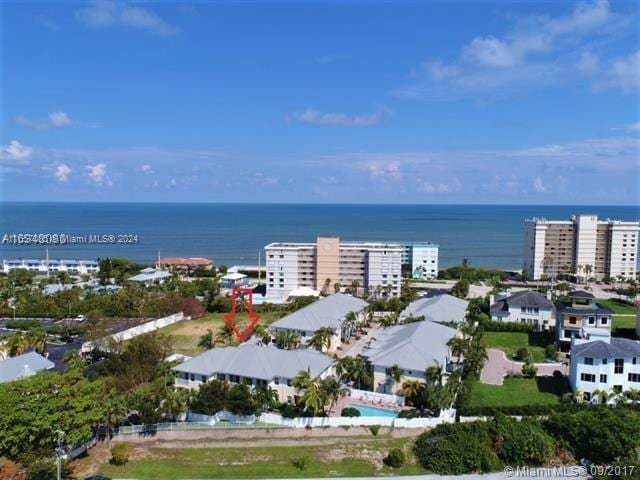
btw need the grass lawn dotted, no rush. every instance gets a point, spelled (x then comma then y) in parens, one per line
(338, 460)
(510, 342)
(187, 333)
(618, 306)
(624, 321)
(518, 391)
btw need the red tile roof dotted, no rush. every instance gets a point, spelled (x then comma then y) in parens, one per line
(189, 262)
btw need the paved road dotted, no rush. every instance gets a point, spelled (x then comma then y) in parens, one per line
(498, 366)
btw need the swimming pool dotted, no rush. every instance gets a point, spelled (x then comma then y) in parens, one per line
(259, 299)
(367, 411)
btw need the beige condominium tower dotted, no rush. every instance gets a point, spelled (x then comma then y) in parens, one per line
(374, 267)
(583, 245)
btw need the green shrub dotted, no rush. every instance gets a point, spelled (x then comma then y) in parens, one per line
(550, 352)
(458, 448)
(412, 413)
(350, 412)
(395, 458)
(120, 454)
(522, 442)
(493, 326)
(524, 355)
(301, 463)
(529, 370)
(374, 429)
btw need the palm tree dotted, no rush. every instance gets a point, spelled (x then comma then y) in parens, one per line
(266, 397)
(321, 340)
(225, 335)
(349, 324)
(464, 267)
(458, 346)
(601, 395)
(355, 284)
(587, 271)
(37, 339)
(312, 397)
(343, 366)
(116, 411)
(336, 287)
(206, 341)
(302, 380)
(175, 402)
(332, 390)
(434, 374)
(633, 395)
(325, 287)
(262, 333)
(361, 371)
(17, 344)
(411, 389)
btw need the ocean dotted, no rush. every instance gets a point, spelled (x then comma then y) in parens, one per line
(488, 235)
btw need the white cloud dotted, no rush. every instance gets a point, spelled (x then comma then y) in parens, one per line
(634, 126)
(54, 120)
(315, 117)
(16, 152)
(62, 172)
(538, 186)
(537, 52)
(98, 174)
(390, 170)
(59, 119)
(147, 169)
(108, 13)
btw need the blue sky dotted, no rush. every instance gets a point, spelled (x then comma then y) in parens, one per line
(366, 102)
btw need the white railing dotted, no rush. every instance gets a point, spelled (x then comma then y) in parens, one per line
(377, 398)
(133, 332)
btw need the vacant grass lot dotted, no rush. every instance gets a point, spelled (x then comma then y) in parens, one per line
(618, 306)
(624, 321)
(187, 333)
(519, 391)
(510, 342)
(339, 460)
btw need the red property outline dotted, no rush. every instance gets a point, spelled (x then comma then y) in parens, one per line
(229, 317)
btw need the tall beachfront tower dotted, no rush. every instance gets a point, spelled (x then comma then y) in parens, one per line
(375, 266)
(583, 245)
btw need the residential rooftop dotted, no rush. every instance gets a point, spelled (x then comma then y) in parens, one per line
(616, 347)
(24, 365)
(441, 308)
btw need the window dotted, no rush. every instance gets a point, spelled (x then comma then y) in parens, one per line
(204, 379)
(567, 334)
(587, 377)
(592, 320)
(634, 377)
(605, 361)
(573, 320)
(276, 380)
(588, 360)
(603, 378)
(634, 360)
(618, 365)
(604, 321)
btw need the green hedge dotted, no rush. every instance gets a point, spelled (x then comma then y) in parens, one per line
(528, 410)
(493, 326)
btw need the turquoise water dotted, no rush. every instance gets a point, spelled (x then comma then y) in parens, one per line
(367, 411)
(488, 235)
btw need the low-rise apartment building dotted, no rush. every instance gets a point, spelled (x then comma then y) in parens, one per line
(373, 267)
(413, 348)
(253, 365)
(532, 308)
(602, 366)
(441, 309)
(420, 260)
(79, 267)
(583, 245)
(581, 311)
(328, 312)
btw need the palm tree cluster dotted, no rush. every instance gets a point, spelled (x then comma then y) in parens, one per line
(35, 339)
(287, 340)
(354, 369)
(435, 393)
(318, 393)
(605, 397)
(321, 340)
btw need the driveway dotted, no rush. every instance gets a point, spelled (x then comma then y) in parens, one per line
(498, 366)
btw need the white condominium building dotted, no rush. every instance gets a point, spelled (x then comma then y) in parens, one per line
(420, 260)
(376, 267)
(43, 266)
(582, 245)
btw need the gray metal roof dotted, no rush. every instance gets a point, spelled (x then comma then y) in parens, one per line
(415, 346)
(326, 312)
(23, 365)
(442, 308)
(616, 348)
(580, 294)
(594, 309)
(255, 361)
(526, 298)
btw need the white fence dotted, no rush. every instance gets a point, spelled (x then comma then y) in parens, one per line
(133, 332)
(376, 397)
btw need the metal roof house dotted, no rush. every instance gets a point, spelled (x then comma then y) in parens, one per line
(328, 312)
(150, 275)
(22, 366)
(441, 308)
(413, 347)
(254, 365)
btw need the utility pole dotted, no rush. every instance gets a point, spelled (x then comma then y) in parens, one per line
(59, 436)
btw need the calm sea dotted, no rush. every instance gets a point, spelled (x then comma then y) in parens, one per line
(489, 235)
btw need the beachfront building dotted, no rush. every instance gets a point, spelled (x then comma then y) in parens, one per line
(603, 367)
(253, 365)
(149, 276)
(441, 309)
(370, 267)
(234, 280)
(182, 263)
(420, 260)
(584, 245)
(413, 348)
(581, 311)
(532, 308)
(74, 267)
(329, 312)
(22, 366)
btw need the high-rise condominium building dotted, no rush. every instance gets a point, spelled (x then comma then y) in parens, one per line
(328, 261)
(420, 260)
(583, 245)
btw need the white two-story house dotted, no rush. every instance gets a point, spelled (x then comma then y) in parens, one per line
(601, 363)
(581, 311)
(532, 308)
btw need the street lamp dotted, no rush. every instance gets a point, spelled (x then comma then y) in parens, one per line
(14, 312)
(59, 437)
